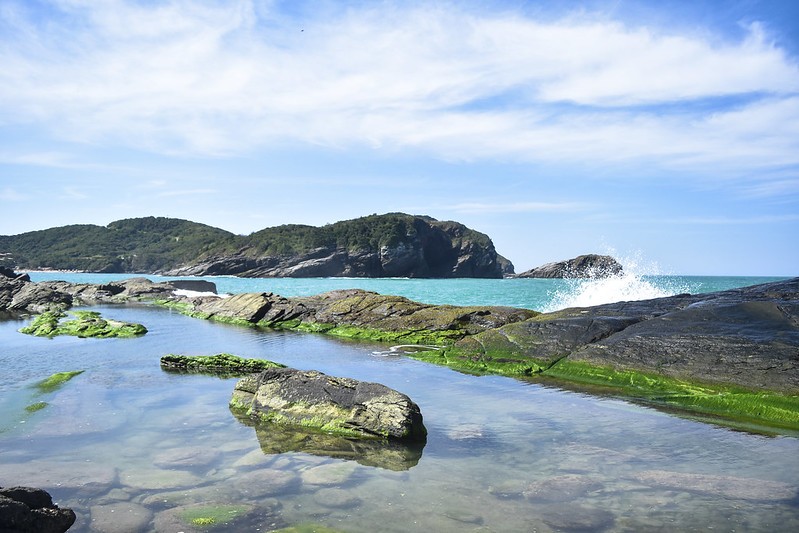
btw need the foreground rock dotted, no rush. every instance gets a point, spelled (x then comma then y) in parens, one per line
(29, 510)
(582, 266)
(337, 405)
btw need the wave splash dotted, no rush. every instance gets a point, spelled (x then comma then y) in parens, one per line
(637, 281)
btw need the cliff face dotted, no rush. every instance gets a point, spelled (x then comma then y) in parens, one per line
(377, 246)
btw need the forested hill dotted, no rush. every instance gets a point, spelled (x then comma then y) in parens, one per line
(394, 244)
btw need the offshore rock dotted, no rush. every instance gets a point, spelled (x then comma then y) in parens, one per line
(30, 510)
(582, 266)
(332, 404)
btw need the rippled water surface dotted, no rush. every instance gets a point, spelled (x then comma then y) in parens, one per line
(132, 448)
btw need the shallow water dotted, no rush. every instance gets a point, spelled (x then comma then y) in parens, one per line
(130, 447)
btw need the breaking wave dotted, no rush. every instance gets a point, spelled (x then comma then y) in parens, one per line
(637, 281)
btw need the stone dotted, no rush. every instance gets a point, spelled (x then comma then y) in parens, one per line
(332, 404)
(336, 498)
(121, 517)
(561, 488)
(189, 457)
(732, 487)
(31, 510)
(582, 266)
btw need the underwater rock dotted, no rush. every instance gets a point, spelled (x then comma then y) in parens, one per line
(120, 517)
(336, 498)
(189, 457)
(561, 488)
(31, 510)
(738, 488)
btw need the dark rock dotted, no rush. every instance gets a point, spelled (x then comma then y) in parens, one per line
(428, 249)
(8, 273)
(338, 405)
(29, 510)
(747, 337)
(196, 285)
(222, 364)
(583, 266)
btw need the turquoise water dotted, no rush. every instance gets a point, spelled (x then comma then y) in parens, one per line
(132, 448)
(537, 294)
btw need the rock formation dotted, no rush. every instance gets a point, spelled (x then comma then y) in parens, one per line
(337, 405)
(29, 510)
(582, 266)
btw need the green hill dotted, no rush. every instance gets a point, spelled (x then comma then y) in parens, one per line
(394, 244)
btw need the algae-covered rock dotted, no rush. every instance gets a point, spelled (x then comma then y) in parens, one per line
(55, 381)
(222, 364)
(86, 324)
(342, 406)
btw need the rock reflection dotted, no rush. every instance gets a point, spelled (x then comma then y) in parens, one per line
(391, 455)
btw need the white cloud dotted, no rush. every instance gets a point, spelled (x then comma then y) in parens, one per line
(231, 77)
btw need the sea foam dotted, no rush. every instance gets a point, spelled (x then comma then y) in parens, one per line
(637, 281)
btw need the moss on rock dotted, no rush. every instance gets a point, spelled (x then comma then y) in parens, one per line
(223, 364)
(56, 381)
(85, 324)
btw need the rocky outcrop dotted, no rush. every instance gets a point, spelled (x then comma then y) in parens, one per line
(221, 364)
(583, 266)
(337, 405)
(358, 313)
(748, 337)
(29, 510)
(398, 246)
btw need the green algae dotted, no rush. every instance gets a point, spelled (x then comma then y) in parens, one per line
(729, 405)
(85, 324)
(56, 381)
(331, 422)
(213, 515)
(38, 406)
(221, 364)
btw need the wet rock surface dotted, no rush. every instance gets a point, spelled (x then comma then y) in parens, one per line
(333, 404)
(31, 510)
(747, 337)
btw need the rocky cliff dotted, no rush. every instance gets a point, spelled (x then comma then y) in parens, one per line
(582, 266)
(393, 245)
(390, 245)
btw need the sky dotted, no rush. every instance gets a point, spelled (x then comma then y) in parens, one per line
(666, 132)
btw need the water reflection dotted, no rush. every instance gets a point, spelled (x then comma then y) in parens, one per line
(276, 439)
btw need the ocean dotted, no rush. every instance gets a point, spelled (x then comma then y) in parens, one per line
(131, 448)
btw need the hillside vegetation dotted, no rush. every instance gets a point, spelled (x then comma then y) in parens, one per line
(167, 245)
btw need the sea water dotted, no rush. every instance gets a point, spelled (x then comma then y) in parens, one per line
(130, 447)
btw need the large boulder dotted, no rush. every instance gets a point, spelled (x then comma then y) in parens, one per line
(30, 510)
(333, 404)
(582, 266)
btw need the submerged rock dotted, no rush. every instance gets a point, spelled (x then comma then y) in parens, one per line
(733, 487)
(338, 405)
(30, 510)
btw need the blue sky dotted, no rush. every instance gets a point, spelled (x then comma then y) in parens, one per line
(666, 131)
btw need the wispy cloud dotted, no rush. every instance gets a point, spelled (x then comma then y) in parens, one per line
(516, 207)
(9, 194)
(185, 192)
(731, 220)
(224, 78)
